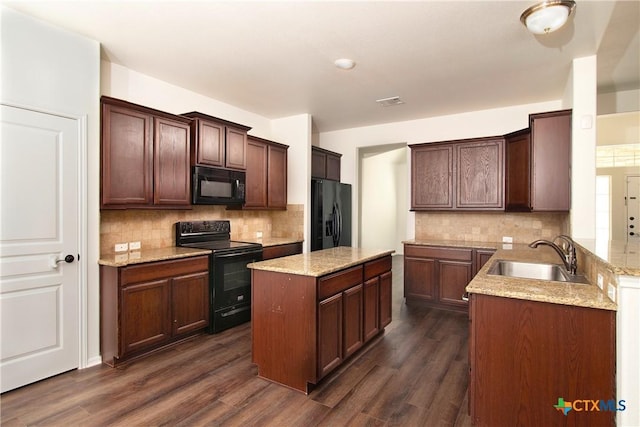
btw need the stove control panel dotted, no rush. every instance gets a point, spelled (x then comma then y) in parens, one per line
(204, 227)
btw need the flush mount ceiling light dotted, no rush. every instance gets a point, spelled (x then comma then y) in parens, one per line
(547, 16)
(388, 102)
(345, 63)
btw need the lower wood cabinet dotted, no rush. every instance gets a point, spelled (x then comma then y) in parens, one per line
(305, 327)
(147, 306)
(438, 275)
(527, 356)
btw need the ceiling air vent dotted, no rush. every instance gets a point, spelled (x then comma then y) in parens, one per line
(389, 102)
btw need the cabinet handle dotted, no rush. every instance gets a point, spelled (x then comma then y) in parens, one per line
(465, 296)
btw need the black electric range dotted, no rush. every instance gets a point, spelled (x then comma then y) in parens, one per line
(229, 277)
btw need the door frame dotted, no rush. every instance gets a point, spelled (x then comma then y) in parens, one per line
(83, 244)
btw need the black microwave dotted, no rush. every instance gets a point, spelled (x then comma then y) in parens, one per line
(213, 186)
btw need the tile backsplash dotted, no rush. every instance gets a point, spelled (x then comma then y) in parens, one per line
(490, 226)
(155, 228)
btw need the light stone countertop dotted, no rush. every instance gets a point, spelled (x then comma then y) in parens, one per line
(565, 293)
(149, 255)
(320, 263)
(622, 257)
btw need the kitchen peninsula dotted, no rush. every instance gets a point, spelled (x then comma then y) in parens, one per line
(312, 311)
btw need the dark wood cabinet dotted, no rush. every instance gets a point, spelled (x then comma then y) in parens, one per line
(217, 143)
(526, 355)
(480, 174)
(538, 164)
(329, 334)
(144, 157)
(266, 180)
(304, 327)
(481, 258)
(465, 174)
(147, 306)
(437, 275)
(432, 177)
(325, 164)
(277, 251)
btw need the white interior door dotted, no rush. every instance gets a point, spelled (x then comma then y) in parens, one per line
(39, 225)
(633, 208)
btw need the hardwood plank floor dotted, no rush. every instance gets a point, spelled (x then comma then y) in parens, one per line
(415, 374)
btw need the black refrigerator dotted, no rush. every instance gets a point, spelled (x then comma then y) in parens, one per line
(330, 214)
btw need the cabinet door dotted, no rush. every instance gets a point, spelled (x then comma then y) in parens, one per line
(551, 153)
(482, 256)
(172, 174)
(127, 157)
(318, 164)
(352, 320)
(518, 172)
(256, 178)
(277, 177)
(385, 299)
(479, 173)
(333, 167)
(190, 302)
(371, 308)
(420, 278)
(453, 278)
(210, 147)
(145, 316)
(432, 177)
(329, 334)
(236, 148)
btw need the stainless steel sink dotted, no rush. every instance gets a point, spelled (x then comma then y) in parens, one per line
(534, 270)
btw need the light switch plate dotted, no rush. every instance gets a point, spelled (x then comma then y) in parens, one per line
(507, 239)
(134, 246)
(611, 292)
(600, 281)
(122, 247)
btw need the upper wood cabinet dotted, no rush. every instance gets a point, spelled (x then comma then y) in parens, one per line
(266, 180)
(217, 143)
(144, 157)
(538, 164)
(465, 174)
(325, 164)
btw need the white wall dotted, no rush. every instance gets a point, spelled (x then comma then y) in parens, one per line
(384, 197)
(52, 70)
(583, 149)
(492, 122)
(619, 102)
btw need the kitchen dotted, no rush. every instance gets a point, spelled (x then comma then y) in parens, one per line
(295, 131)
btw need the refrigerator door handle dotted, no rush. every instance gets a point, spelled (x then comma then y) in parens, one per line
(336, 238)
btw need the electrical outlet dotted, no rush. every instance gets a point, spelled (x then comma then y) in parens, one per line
(600, 281)
(507, 239)
(611, 292)
(122, 247)
(259, 234)
(134, 246)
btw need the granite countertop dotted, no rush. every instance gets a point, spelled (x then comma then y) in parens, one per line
(622, 257)
(123, 259)
(581, 295)
(272, 241)
(319, 263)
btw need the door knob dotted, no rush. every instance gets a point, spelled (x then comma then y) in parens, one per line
(68, 259)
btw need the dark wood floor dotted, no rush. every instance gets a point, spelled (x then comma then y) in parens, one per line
(415, 374)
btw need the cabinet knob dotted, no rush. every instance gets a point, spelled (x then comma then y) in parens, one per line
(175, 321)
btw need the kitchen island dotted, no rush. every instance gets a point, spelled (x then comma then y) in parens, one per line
(312, 311)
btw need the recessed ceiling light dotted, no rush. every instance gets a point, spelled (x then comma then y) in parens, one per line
(345, 63)
(389, 102)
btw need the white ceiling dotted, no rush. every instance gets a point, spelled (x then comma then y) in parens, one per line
(276, 58)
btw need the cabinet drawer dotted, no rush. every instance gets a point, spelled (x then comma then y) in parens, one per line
(456, 254)
(270, 252)
(377, 267)
(157, 270)
(338, 282)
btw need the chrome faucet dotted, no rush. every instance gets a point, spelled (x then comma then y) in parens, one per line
(568, 253)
